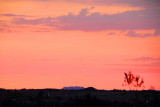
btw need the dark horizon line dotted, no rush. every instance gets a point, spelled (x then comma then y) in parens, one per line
(76, 90)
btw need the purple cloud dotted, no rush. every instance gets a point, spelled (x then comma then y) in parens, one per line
(1, 29)
(10, 15)
(131, 20)
(132, 33)
(3, 24)
(41, 21)
(157, 32)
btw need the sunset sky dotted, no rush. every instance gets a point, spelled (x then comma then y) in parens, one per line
(57, 43)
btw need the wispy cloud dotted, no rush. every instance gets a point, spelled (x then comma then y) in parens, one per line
(145, 59)
(133, 33)
(41, 21)
(1, 29)
(3, 24)
(153, 64)
(11, 15)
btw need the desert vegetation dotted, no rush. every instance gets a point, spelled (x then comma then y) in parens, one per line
(133, 81)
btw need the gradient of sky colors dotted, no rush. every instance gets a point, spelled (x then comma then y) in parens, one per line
(56, 43)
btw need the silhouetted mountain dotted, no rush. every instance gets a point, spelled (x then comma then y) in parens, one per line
(73, 88)
(90, 89)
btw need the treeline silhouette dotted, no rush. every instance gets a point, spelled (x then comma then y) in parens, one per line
(78, 98)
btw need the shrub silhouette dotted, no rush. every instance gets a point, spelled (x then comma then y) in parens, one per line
(133, 81)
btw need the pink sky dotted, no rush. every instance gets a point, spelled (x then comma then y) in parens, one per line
(57, 43)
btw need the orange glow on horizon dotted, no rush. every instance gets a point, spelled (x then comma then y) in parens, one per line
(53, 64)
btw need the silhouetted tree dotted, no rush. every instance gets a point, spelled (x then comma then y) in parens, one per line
(132, 81)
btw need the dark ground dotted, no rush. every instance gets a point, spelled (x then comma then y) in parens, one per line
(81, 98)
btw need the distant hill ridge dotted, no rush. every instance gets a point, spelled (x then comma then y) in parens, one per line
(73, 88)
(79, 88)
